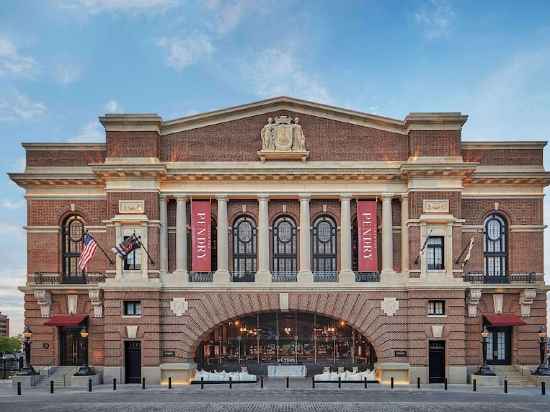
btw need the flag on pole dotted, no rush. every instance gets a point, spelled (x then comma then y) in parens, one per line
(468, 255)
(127, 246)
(88, 252)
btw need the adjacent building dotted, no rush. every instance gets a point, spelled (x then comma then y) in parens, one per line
(4, 325)
(286, 232)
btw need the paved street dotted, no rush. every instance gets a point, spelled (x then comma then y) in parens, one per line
(274, 397)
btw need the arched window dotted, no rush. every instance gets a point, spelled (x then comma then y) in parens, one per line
(284, 256)
(496, 246)
(72, 231)
(324, 245)
(244, 248)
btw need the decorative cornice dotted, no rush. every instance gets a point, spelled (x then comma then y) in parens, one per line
(131, 122)
(435, 121)
(510, 145)
(64, 146)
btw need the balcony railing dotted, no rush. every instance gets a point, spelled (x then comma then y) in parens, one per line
(52, 278)
(284, 276)
(201, 277)
(243, 276)
(479, 277)
(325, 276)
(367, 277)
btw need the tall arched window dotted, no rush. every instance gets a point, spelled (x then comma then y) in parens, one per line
(72, 231)
(284, 256)
(496, 246)
(324, 245)
(244, 248)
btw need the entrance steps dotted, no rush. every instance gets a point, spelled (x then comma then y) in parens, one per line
(61, 377)
(512, 374)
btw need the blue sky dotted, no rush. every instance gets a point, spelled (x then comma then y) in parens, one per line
(64, 62)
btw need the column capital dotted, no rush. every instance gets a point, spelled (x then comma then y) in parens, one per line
(263, 196)
(221, 196)
(404, 196)
(386, 196)
(304, 196)
(164, 197)
(345, 196)
(180, 198)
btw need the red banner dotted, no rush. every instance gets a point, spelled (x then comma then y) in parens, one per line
(201, 233)
(367, 226)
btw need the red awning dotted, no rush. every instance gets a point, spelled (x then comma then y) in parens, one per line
(505, 320)
(66, 320)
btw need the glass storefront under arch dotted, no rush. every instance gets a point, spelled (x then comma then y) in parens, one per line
(270, 338)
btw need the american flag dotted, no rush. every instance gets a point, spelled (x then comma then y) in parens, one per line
(127, 246)
(88, 251)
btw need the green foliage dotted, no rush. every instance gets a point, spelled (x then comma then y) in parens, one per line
(9, 344)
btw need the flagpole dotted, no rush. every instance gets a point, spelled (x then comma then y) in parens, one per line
(423, 247)
(100, 248)
(144, 248)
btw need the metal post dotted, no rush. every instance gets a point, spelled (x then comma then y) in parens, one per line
(287, 382)
(339, 382)
(114, 384)
(169, 382)
(19, 388)
(262, 382)
(313, 382)
(230, 383)
(418, 382)
(505, 385)
(391, 382)
(543, 388)
(202, 382)
(89, 385)
(142, 383)
(474, 385)
(445, 382)
(51, 386)
(365, 382)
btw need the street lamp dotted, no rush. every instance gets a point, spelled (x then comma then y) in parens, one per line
(84, 370)
(27, 369)
(544, 367)
(485, 370)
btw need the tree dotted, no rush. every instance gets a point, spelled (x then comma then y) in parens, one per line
(9, 344)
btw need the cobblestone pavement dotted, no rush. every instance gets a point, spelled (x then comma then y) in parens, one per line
(274, 398)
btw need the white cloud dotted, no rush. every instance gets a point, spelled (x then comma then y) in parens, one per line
(17, 106)
(112, 106)
(435, 18)
(89, 133)
(184, 51)
(66, 73)
(276, 72)
(11, 62)
(123, 6)
(11, 204)
(227, 14)
(11, 299)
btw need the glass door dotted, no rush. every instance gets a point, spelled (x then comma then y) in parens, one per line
(72, 347)
(499, 346)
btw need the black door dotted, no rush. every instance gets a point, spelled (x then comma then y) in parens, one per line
(132, 361)
(499, 346)
(72, 347)
(437, 361)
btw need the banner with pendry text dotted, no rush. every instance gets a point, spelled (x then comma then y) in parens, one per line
(367, 250)
(201, 233)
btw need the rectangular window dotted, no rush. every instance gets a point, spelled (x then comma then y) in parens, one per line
(434, 253)
(132, 308)
(133, 260)
(436, 307)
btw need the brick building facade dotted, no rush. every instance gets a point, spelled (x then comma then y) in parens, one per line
(4, 325)
(419, 314)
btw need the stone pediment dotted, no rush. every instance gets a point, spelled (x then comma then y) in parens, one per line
(283, 139)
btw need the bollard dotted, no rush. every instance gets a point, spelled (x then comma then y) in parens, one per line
(365, 382)
(202, 382)
(474, 385)
(313, 382)
(287, 382)
(543, 388)
(51, 386)
(339, 382)
(89, 385)
(230, 383)
(391, 382)
(418, 382)
(142, 383)
(169, 382)
(114, 384)
(505, 385)
(261, 382)
(445, 382)
(19, 388)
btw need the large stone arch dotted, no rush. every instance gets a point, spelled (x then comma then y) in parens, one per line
(362, 311)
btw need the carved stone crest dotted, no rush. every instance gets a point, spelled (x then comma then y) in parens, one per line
(283, 139)
(179, 306)
(390, 306)
(435, 206)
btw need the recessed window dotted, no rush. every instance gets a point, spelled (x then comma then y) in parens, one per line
(434, 253)
(133, 259)
(436, 307)
(132, 308)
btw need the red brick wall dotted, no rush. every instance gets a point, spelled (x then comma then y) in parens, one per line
(527, 157)
(416, 200)
(64, 158)
(133, 144)
(326, 139)
(434, 143)
(527, 211)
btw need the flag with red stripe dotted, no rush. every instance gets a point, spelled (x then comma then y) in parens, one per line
(88, 251)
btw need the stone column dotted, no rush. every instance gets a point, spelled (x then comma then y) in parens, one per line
(404, 233)
(181, 235)
(346, 273)
(264, 274)
(222, 274)
(304, 275)
(163, 243)
(387, 234)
